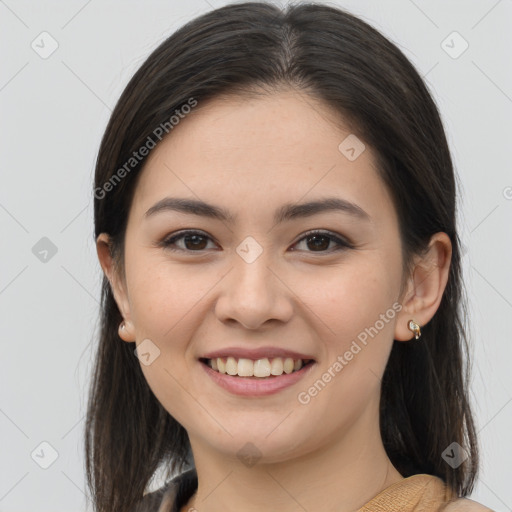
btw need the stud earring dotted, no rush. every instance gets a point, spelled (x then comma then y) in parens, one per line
(415, 328)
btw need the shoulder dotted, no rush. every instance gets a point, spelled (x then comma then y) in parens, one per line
(466, 505)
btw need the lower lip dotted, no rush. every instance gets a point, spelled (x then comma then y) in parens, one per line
(256, 386)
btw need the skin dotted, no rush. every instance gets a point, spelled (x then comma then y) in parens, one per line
(251, 156)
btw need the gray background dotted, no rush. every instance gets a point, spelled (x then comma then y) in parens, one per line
(54, 111)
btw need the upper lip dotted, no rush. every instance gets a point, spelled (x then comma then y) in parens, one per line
(256, 353)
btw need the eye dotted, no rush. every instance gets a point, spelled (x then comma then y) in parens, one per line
(196, 241)
(320, 240)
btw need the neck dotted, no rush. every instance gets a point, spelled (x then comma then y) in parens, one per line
(342, 475)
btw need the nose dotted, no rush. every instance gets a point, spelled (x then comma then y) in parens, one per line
(253, 294)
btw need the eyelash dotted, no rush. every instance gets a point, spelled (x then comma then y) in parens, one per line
(342, 243)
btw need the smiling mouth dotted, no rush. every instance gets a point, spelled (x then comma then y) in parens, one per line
(259, 368)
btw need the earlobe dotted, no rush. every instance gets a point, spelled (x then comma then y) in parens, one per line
(425, 288)
(126, 331)
(103, 249)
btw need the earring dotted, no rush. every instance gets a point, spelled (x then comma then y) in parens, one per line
(122, 327)
(415, 328)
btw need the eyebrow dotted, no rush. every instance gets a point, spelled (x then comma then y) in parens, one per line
(286, 212)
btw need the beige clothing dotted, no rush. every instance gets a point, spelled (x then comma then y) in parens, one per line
(417, 493)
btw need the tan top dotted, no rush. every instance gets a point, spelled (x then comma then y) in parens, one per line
(417, 493)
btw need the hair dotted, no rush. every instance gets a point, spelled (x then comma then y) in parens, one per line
(335, 57)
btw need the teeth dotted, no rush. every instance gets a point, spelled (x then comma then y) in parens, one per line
(276, 368)
(288, 365)
(260, 368)
(231, 366)
(245, 367)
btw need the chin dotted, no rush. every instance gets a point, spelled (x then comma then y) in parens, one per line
(260, 445)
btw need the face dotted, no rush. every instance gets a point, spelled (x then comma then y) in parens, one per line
(255, 285)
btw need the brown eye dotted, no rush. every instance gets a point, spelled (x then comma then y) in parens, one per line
(315, 241)
(319, 241)
(193, 241)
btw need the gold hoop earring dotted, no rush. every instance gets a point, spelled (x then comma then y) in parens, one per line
(415, 328)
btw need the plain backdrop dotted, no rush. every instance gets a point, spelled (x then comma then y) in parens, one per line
(54, 109)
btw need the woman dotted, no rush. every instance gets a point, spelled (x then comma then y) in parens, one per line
(282, 308)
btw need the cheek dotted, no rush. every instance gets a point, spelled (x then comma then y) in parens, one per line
(166, 308)
(355, 306)
(165, 297)
(350, 299)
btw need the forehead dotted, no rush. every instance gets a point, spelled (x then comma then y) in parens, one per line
(251, 152)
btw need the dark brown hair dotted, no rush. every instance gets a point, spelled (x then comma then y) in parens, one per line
(337, 58)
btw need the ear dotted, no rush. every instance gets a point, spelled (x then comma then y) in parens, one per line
(425, 287)
(117, 284)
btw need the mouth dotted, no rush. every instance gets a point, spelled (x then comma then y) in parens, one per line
(264, 368)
